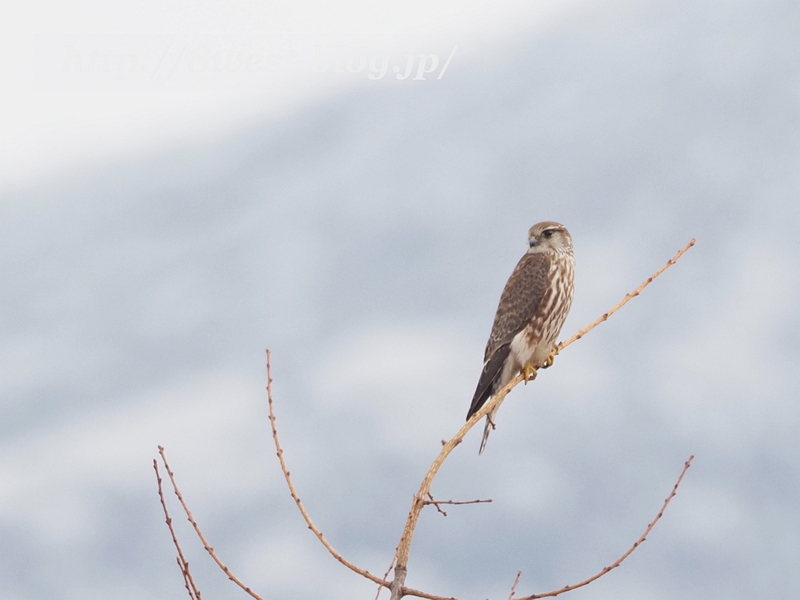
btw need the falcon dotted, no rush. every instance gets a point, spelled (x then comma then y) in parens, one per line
(532, 310)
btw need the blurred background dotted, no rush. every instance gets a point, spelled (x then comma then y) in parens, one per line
(183, 185)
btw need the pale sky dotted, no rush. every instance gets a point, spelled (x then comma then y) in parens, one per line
(53, 122)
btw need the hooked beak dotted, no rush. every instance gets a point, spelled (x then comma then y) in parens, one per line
(533, 242)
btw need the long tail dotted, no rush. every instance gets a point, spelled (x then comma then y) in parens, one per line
(490, 375)
(487, 428)
(487, 384)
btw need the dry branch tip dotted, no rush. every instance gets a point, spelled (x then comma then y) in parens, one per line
(514, 587)
(293, 492)
(198, 531)
(636, 544)
(183, 564)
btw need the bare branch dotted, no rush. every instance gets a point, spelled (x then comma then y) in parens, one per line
(400, 560)
(624, 301)
(614, 565)
(206, 545)
(404, 546)
(437, 503)
(293, 492)
(183, 564)
(630, 550)
(514, 587)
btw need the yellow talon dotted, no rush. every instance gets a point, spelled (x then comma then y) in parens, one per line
(551, 358)
(528, 373)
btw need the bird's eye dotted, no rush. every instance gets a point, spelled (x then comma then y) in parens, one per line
(548, 233)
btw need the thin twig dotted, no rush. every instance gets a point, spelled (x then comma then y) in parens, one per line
(437, 503)
(183, 564)
(514, 587)
(206, 545)
(404, 546)
(624, 301)
(630, 550)
(293, 492)
(385, 575)
(614, 565)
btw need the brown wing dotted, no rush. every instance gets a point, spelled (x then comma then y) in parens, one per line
(519, 301)
(518, 304)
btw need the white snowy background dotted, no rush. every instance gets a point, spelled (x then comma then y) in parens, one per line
(156, 237)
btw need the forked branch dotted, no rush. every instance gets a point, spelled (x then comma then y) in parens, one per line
(197, 530)
(421, 499)
(425, 487)
(596, 576)
(183, 564)
(438, 503)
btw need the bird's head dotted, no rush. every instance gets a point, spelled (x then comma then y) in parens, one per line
(549, 236)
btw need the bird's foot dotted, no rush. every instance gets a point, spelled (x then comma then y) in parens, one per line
(549, 362)
(489, 421)
(528, 372)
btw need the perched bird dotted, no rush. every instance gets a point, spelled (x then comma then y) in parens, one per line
(531, 313)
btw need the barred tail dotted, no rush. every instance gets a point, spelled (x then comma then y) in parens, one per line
(490, 375)
(487, 428)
